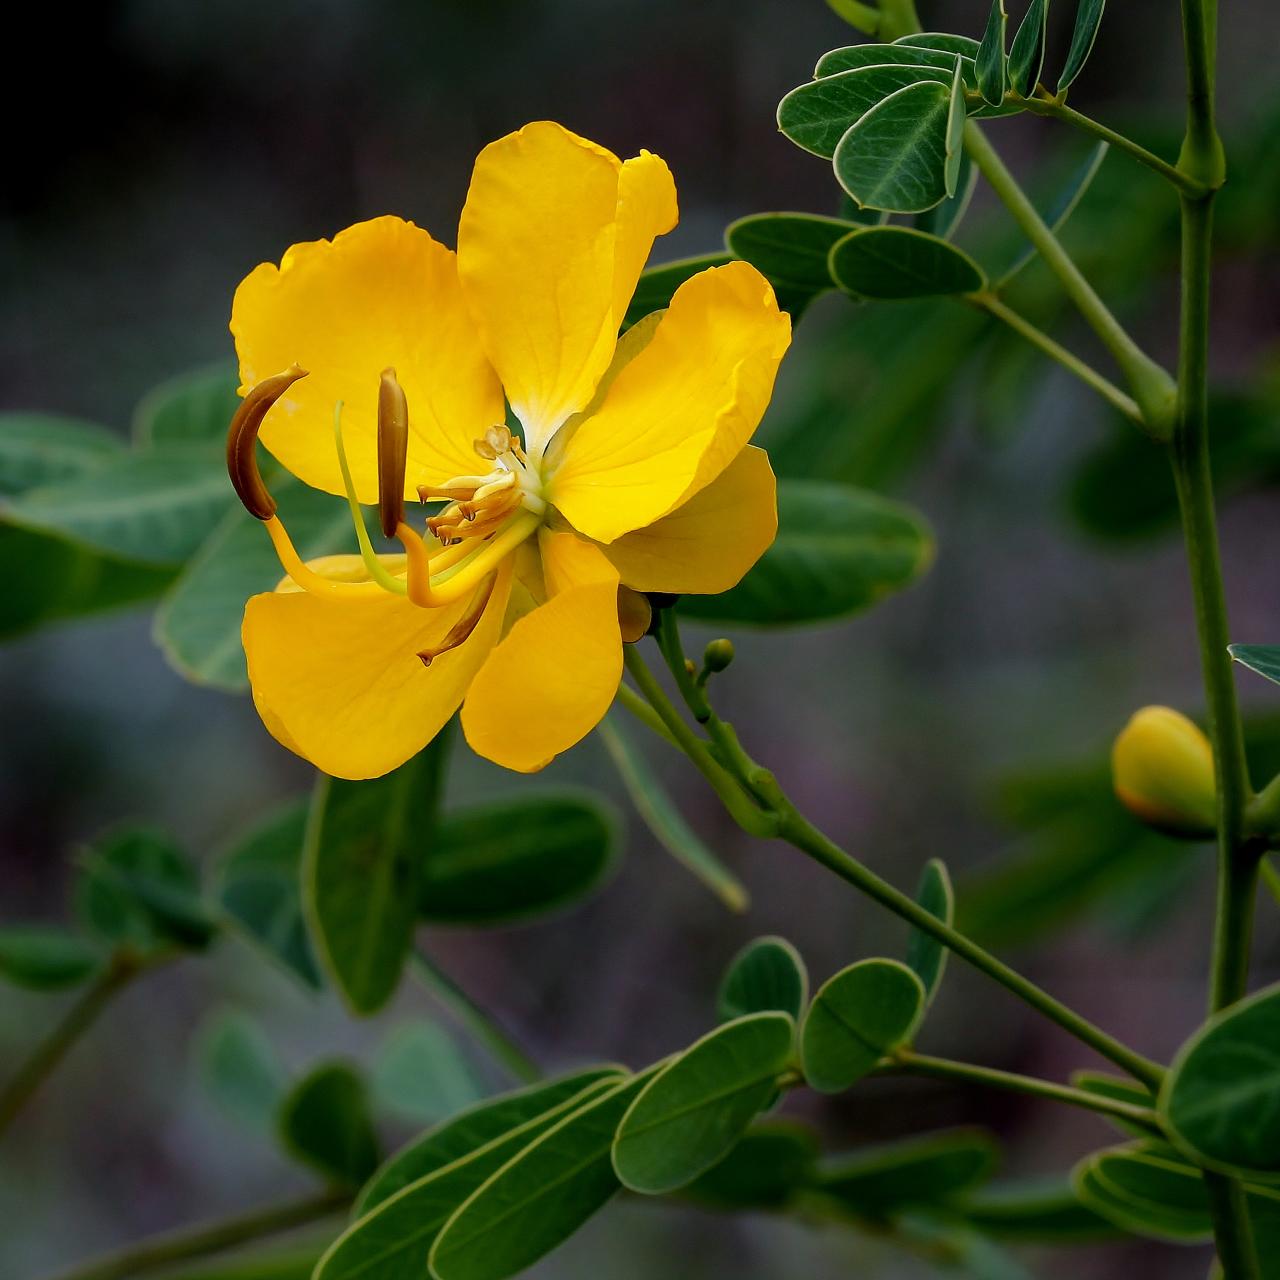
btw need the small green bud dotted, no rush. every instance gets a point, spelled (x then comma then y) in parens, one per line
(1162, 770)
(717, 656)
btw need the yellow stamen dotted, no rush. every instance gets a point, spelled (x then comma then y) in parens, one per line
(460, 487)
(308, 579)
(463, 577)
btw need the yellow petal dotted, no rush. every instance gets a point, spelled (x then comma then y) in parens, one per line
(646, 209)
(381, 293)
(550, 681)
(340, 682)
(681, 411)
(554, 231)
(706, 544)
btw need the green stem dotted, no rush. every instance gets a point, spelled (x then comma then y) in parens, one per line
(1202, 156)
(1238, 856)
(740, 805)
(119, 971)
(197, 1242)
(504, 1048)
(628, 698)
(1087, 374)
(801, 833)
(1151, 385)
(946, 1069)
(1055, 108)
(782, 819)
(1232, 1230)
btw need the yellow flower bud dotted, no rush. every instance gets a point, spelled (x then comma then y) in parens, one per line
(1162, 770)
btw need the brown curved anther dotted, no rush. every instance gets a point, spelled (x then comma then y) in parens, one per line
(242, 439)
(393, 451)
(462, 629)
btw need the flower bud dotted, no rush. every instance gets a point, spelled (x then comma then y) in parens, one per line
(717, 656)
(634, 615)
(1162, 770)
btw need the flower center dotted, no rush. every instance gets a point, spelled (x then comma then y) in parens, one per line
(479, 504)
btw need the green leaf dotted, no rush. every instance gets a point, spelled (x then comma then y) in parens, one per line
(362, 864)
(656, 286)
(943, 219)
(259, 889)
(1026, 54)
(45, 958)
(767, 975)
(900, 262)
(665, 822)
(941, 42)
(1149, 1189)
(155, 507)
(394, 1235)
(790, 248)
(771, 1162)
(137, 888)
(855, 57)
(839, 550)
(1221, 1098)
(1137, 1189)
(1039, 1211)
(815, 116)
(198, 626)
(43, 449)
(956, 116)
(48, 579)
(194, 408)
(517, 859)
(895, 156)
(324, 1122)
(1263, 659)
(1083, 34)
(240, 1069)
(538, 1199)
(478, 1127)
(926, 956)
(422, 1075)
(937, 1168)
(858, 1016)
(990, 62)
(694, 1110)
(1063, 206)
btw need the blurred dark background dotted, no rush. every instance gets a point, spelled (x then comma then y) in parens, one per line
(163, 150)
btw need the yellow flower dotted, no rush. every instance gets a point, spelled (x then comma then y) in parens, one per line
(631, 468)
(1162, 770)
